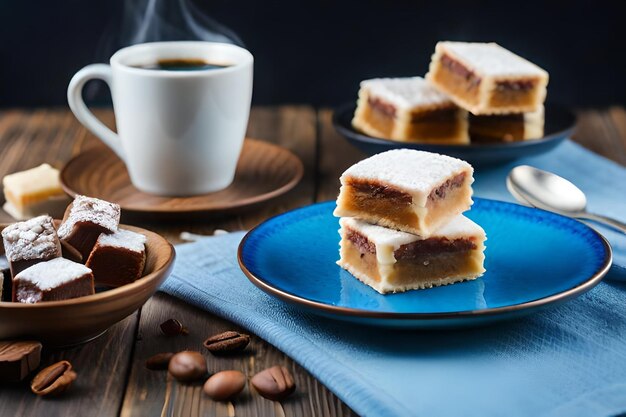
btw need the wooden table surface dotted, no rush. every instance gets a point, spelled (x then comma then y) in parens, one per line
(112, 379)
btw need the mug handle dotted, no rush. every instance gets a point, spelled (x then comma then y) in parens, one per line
(82, 113)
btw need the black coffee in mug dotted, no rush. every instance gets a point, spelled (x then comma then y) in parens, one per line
(182, 64)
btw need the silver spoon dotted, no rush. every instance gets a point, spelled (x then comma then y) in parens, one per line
(548, 191)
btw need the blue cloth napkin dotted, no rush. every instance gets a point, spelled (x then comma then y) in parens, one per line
(602, 180)
(566, 361)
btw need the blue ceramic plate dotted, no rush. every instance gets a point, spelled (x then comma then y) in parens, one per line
(533, 259)
(559, 124)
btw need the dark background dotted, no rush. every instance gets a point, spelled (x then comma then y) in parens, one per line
(317, 51)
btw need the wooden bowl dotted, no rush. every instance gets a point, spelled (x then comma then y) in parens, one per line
(69, 322)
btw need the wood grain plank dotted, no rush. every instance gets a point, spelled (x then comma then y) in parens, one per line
(151, 394)
(602, 132)
(101, 366)
(617, 118)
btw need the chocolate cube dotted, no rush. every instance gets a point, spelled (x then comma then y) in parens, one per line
(118, 258)
(27, 243)
(18, 359)
(85, 220)
(6, 284)
(54, 280)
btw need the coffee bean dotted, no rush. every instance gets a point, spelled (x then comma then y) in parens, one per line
(225, 385)
(53, 380)
(159, 361)
(173, 327)
(227, 342)
(275, 383)
(187, 366)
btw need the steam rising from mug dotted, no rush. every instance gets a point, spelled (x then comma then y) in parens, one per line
(155, 21)
(170, 20)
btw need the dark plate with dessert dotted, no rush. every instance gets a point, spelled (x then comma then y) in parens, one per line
(559, 125)
(293, 256)
(265, 171)
(76, 320)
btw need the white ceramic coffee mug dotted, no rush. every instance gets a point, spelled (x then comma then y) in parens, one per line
(179, 132)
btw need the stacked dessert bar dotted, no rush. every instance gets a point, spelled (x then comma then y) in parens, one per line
(472, 90)
(503, 91)
(402, 225)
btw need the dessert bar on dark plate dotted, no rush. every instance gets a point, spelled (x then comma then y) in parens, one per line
(511, 127)
(559, 125)
(486, 78)
(409, 109)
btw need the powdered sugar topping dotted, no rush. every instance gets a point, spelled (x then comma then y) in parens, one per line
(411, 171)
(406, 93)
(91, 210)
(123, 239)
(53, 273)
(32, 239)
(491, 59)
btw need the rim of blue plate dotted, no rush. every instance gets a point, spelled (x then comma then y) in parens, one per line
(347, 130)
(591, 282)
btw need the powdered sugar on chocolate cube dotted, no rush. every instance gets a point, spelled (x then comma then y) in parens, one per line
(50, 274)
(32, 239)
(57, 279)
(118, 259)
(123, 239)
(91, 210)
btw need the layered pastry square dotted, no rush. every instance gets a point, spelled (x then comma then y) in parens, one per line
(512, 127)
(54, 280)
(85, 220)
(413, 191)
(408, 109)
(486, 78)
(29, 242)
(118, 259)
(34, 192)
(393, 261)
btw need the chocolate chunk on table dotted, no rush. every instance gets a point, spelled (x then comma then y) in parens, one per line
(18, 359)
